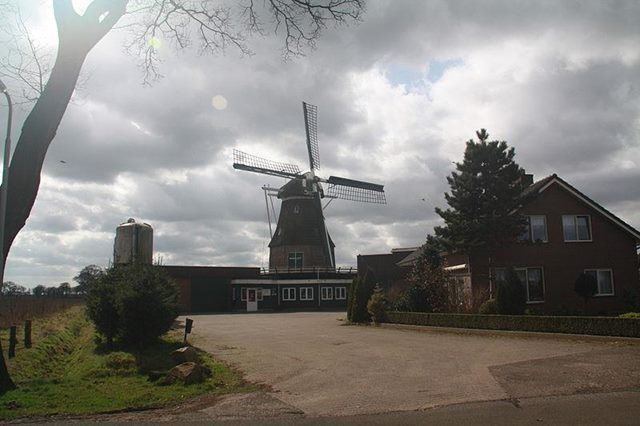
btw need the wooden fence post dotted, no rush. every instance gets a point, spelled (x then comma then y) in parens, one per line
(13, 339)
(27, 333)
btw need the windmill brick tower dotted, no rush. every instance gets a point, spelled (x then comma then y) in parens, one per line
(301, 240)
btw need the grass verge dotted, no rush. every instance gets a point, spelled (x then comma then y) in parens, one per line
(68, 372)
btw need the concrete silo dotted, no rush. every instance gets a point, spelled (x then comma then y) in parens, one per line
(134, 243)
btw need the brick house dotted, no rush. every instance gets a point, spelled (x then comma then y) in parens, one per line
(568, 233)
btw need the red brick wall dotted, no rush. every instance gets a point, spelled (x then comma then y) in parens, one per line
(610, 248)
(184, 299)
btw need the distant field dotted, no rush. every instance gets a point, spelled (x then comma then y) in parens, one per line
(15, 309)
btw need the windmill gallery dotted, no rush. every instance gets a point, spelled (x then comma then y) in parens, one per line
(302, 272)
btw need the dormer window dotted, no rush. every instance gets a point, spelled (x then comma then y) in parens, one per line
(576, 228)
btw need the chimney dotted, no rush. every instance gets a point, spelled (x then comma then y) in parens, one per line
(528, 180)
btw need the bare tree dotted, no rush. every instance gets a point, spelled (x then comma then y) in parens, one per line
(211, 24)
(27, 63)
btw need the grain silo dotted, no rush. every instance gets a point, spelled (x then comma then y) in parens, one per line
(134, 243)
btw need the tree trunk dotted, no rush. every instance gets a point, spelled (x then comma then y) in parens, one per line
(38, 131)
(6, 384)
(77, 35)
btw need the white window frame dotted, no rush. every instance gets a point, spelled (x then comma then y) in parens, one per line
(295, 253)
(530, 228)
(327, 293)
(613, 287)
(287, 292)
(306, 291)
(259, 294)
(575, 226)
(341, 293)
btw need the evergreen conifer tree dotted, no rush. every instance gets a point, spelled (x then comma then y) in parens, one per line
(486, 189)
(362, 292)
(486, 192)
(511, 295)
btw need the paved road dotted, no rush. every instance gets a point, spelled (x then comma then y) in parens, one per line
(317, 366)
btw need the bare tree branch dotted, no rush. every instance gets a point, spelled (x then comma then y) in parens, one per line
(27, 63)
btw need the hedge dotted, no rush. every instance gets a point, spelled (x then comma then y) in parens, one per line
(602, 326)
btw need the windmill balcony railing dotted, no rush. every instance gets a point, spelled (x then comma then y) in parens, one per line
(342, 270)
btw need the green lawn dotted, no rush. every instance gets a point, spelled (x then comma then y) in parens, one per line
(68, 372)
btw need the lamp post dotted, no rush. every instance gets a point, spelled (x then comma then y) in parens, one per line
(5, 179)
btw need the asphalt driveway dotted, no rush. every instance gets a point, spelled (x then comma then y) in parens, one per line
(315, 364)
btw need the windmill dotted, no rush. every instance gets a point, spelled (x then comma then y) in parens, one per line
(301, 239)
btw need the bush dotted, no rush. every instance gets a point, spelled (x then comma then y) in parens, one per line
(489, 307)
(361, 291)
(631, 315)
(134, 304)
(377, 305)
(603, 326)
(586, 286)
(511, 296)
(430, 287)
(631, 299)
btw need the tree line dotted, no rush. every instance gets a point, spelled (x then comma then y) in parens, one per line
(84, 281)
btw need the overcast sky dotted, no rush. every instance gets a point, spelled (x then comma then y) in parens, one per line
(398, 96)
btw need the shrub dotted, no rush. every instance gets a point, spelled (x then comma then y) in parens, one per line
(134, 304)
(586, 286)
(511, 296)
(631, 315)
(377, 305)
(604, 326)
(631, 299)
(351, 297)
(361, 292)
(431, 288)
(489, 307)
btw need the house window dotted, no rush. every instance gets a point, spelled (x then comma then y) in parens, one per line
(341, 293)
(576, 227)
(531, 278)
(604, 277)
(536, 230)
(327, 293)
(259, 291)
(288, 293)
(296, 209)
(295, 260)
(306, 293)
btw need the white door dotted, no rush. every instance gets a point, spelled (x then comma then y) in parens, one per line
(252, 300)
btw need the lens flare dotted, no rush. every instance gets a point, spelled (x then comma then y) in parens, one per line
(219, 102)
(155, 43)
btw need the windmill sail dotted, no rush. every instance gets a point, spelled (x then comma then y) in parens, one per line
(301, 232)
(355, 190)
(311, 127)
(253, 163)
